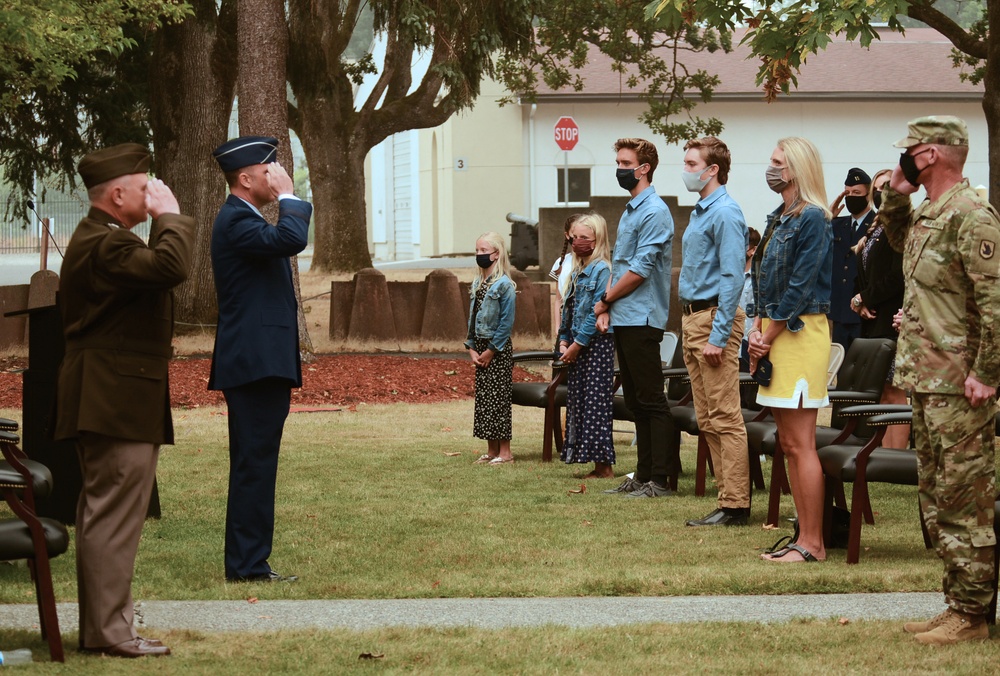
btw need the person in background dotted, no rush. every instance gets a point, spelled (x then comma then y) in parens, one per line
(562, 268)
(791, 273)
(491, 320)
(590, 353)
(639, 302)
(113, 394)
(753, 241)
(878, 294)
(709, 289)
(948, 357)
(847, 230)
(255, 361)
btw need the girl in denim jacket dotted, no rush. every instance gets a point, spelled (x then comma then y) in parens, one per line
(491, 320)
(590, 353)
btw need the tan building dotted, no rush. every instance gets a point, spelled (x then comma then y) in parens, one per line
(434, 191)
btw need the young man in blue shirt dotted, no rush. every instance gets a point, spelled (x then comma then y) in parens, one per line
(638, 301)
(709, 289)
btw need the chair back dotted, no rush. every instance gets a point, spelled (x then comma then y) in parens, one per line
(865, 369)
(836, 359)
(677, 389)
(668, 350)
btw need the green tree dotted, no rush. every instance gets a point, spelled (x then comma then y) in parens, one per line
(62, 62)
(462, 41)
(646, 48)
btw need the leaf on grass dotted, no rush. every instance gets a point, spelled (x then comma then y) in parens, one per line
(587, 523)
(446, 429)
(769, 526)
(452, 455)
(371, 656)
(437, 583)
(843, 621)
(252, 599)
(578, 491)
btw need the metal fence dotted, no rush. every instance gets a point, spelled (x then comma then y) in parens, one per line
(63, 213)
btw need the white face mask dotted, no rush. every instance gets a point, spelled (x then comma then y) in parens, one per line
(693, 181)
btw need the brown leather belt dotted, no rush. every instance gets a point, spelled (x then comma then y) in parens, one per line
(699, 305)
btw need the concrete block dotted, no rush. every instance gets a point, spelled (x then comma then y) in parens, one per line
(12, 329)
(444, 309)
(371, 312)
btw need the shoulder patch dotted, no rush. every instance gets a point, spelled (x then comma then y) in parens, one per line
(986, 249)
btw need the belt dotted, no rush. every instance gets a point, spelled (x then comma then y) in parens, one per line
(699, 305)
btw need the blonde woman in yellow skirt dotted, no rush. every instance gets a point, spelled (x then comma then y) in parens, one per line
(791, 283)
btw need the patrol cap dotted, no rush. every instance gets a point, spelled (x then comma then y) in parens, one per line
(108, 163)
(857, 176)
(244, 151)
(945, 130)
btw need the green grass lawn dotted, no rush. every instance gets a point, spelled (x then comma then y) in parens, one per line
(371, 505)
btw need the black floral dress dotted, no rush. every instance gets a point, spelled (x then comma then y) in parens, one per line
(492, 419)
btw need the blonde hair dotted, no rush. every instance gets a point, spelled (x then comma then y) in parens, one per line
(502, 265)
(804, 164)
(602, 250)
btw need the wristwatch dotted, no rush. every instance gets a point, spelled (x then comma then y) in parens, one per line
(604, 298)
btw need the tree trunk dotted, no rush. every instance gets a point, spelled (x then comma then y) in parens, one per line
(262, 36)
(192, 75)
(336, 156)
(991, 100)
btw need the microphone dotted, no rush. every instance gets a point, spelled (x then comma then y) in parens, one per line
(31, 205)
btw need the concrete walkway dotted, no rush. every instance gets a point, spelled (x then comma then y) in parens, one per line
(262, 616)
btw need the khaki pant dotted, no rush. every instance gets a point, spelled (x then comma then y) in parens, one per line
(117, 484)
(716, 392)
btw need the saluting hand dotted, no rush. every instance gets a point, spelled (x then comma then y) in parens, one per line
(160, 199)
(278, 180)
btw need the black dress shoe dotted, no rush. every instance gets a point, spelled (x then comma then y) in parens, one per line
(726, 516)
(269, 576)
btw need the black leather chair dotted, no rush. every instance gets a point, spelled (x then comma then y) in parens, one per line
(27, 536)
(860, 380)
(550, 396)
(864, 465)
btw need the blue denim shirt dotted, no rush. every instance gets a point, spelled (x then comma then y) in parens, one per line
(495, 319)
(588, 285)
(791, 269)
(714, 254)
(644, 245)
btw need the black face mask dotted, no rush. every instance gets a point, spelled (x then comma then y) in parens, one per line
(484, 260)
(855, 204)
(877, 199)
(626, 178)
(908, 165)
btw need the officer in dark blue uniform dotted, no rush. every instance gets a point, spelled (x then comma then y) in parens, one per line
(256, 358)
(847, 231)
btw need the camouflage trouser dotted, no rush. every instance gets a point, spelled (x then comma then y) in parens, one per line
(956, 483)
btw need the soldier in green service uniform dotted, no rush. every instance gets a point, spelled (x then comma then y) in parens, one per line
(949, 359)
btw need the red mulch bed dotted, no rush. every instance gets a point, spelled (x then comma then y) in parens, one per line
(332, 380)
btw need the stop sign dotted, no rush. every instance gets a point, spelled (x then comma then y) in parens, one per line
(567, 133)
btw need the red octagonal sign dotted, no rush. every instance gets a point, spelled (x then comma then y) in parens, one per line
(567, 133)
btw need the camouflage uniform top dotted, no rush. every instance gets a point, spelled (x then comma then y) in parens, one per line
(952, 302)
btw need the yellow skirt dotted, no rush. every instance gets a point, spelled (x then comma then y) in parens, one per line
(800, 360)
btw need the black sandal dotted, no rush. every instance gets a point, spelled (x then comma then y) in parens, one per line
(807, 556)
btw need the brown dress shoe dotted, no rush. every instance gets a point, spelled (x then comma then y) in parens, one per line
(137, 647)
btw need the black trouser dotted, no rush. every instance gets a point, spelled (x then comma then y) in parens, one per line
(638, 349)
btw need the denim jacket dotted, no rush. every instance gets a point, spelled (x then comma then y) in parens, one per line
(588, 285)
(495, 319)
(792, 267)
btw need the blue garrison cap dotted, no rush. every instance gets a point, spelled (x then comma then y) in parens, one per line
(246, 150)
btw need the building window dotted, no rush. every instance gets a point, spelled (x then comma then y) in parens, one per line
(579, 185)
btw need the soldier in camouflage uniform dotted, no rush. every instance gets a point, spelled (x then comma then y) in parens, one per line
(948, 357)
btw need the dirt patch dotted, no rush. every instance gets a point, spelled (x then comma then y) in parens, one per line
(341, 380)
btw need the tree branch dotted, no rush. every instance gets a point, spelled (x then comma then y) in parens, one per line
(962, 39)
